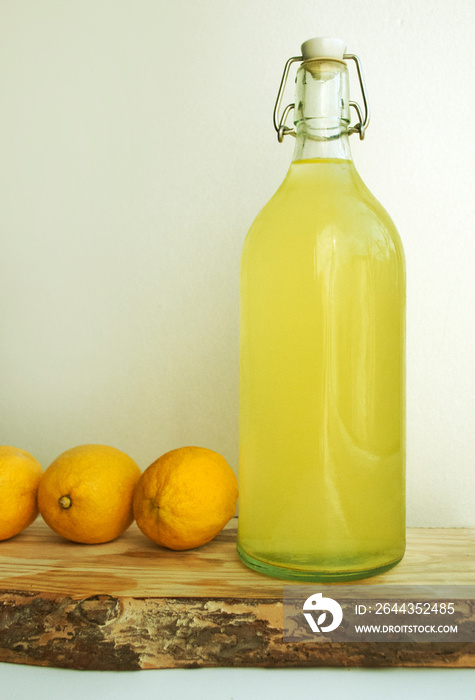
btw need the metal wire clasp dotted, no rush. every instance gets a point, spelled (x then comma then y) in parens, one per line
(362, 125)
(279, 122)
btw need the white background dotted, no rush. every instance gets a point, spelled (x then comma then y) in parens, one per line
(136, 147)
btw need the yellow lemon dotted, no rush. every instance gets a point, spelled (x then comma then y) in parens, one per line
(86, 494)
(185, 497)
(20, 474)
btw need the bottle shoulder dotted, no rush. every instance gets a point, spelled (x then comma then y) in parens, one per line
(318, 197)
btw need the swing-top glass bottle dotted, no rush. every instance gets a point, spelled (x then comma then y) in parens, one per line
(322, 352)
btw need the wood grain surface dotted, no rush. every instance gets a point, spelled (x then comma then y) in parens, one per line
(130, 604)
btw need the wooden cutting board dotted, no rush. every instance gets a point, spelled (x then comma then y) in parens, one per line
(130, 604)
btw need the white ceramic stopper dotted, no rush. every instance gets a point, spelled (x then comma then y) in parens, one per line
(323, 47)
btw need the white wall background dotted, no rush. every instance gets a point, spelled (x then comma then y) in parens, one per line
(136, 147)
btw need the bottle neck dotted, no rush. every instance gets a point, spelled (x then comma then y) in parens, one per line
(322, 111)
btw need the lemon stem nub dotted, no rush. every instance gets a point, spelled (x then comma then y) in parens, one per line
(65, 502)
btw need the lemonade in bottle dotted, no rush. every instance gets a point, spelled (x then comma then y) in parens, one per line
(322, 353)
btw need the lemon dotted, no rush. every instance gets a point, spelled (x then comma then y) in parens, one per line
(86, 494)
(20, 475)
(185, 497)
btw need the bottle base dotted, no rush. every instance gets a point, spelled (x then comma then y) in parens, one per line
(289, 574)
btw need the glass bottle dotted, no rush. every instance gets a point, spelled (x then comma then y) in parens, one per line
(322, 353)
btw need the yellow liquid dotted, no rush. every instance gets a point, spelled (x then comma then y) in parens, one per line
(322, 376)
